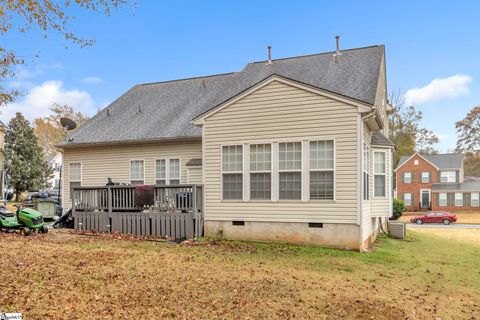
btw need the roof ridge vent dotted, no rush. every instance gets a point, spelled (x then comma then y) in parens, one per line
(269, 61)
(337, 53)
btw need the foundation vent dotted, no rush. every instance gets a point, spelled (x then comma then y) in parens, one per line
(238, 223)
(315, 225)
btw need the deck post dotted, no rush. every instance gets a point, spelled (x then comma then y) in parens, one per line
(194, 208)
(109, 201)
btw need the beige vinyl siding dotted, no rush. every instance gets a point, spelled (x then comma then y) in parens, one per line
(99, 163)
(194, 175)
(274, 112)
(367, 225)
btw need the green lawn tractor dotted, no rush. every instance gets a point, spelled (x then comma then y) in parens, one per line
(26, 220)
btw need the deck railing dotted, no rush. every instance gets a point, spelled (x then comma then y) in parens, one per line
(112, 201)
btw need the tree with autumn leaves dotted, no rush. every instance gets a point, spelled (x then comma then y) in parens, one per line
(468, 130)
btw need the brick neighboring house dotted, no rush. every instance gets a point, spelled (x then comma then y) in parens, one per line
(436, 182)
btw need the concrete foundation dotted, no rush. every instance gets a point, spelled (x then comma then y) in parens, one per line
(345, 236)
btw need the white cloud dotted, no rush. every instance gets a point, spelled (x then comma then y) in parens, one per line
(37, 102)
(92, 80)
(440, 88)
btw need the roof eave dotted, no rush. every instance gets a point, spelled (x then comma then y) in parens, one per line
(128, 142)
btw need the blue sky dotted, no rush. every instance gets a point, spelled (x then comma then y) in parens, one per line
(160, 40)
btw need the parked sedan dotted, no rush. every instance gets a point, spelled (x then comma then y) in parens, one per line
(435, 217)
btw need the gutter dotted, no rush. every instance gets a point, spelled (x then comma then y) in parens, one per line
(127, 142)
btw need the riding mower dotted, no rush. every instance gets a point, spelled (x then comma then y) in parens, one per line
(25, 219)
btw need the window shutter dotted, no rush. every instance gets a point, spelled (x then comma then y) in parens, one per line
(430, 177)
(437, 196)
(464, 199)
(457, 176)
(470, 200)
(403, 177)
(448, 199)
(413, 199)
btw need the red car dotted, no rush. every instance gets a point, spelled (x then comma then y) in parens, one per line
(435, 217)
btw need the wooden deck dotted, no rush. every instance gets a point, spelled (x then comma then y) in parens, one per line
(176, 212)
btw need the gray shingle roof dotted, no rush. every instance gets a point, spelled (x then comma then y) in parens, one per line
(194, 162)
(164, 110)
(442, 161)
(378, 139)
(464, 186)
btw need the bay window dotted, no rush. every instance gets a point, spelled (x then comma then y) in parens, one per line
(232, 172)
(321, 170)
(290, 171)
(380, 177)
(260, 171)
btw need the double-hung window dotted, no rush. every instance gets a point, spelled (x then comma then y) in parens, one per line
(174, 171)
(321, 170)
(167, 171)
(232, 172)
(458, 199)
(425, 177)
(290, 171)
(407, 177)
(380, 174)
(260, 171)
(366, 176)
(407, 199)
(75, 171)
(137, 172)
(448, 176)
(161, 171)
(442, 199)
(474, 199)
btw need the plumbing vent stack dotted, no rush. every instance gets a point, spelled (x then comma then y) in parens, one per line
(269, 55)
(338, 53)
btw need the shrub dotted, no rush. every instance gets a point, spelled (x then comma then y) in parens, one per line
(398, 208)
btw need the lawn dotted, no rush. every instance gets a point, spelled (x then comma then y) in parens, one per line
(67, 276)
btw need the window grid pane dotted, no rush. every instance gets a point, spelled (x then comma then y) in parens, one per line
(174, 170)
(75, 171)
(290, 185)
(321, 154)
(260, 186)
(379, 162)
(136, 170)
(290, 156)
(407, 197)
(380, 185)
(442, 201)
(321, 185)
(260, 157)
(232, 186)
(232, 158)
(160, 170)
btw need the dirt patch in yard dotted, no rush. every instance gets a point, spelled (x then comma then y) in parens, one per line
(67, 276)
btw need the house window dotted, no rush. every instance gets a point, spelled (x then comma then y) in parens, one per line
(75, 172)
(232, 172)
(366, 176)
(448, 176)
(290, 171)
(161, 172)
(174, 171)
(407, 199)
(260, 171)
(137, 172)
(442, 199)
(321, 170)
(415, 162)
(407, 177)
(380, 174)
(425, 177)
(458, 199)
(474, 199)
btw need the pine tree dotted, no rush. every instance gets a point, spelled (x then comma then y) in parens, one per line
(25, 163)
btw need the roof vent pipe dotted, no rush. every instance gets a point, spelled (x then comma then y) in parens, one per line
(338, 53)
(269, 55)
(108, 112)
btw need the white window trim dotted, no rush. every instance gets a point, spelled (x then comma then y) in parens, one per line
(167, 170)
(405, 200)
(448, 176)
(130, 170)
(275, 171)
(301, 170)
(242, 172)
(478, 199)
(455, 199)
(428, 177)
(260, 171)
(440, 203)
(411, 177)
(380, 174)
(307, 165)
(81, 172)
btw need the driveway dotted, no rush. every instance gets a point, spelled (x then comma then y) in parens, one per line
(442, 226)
